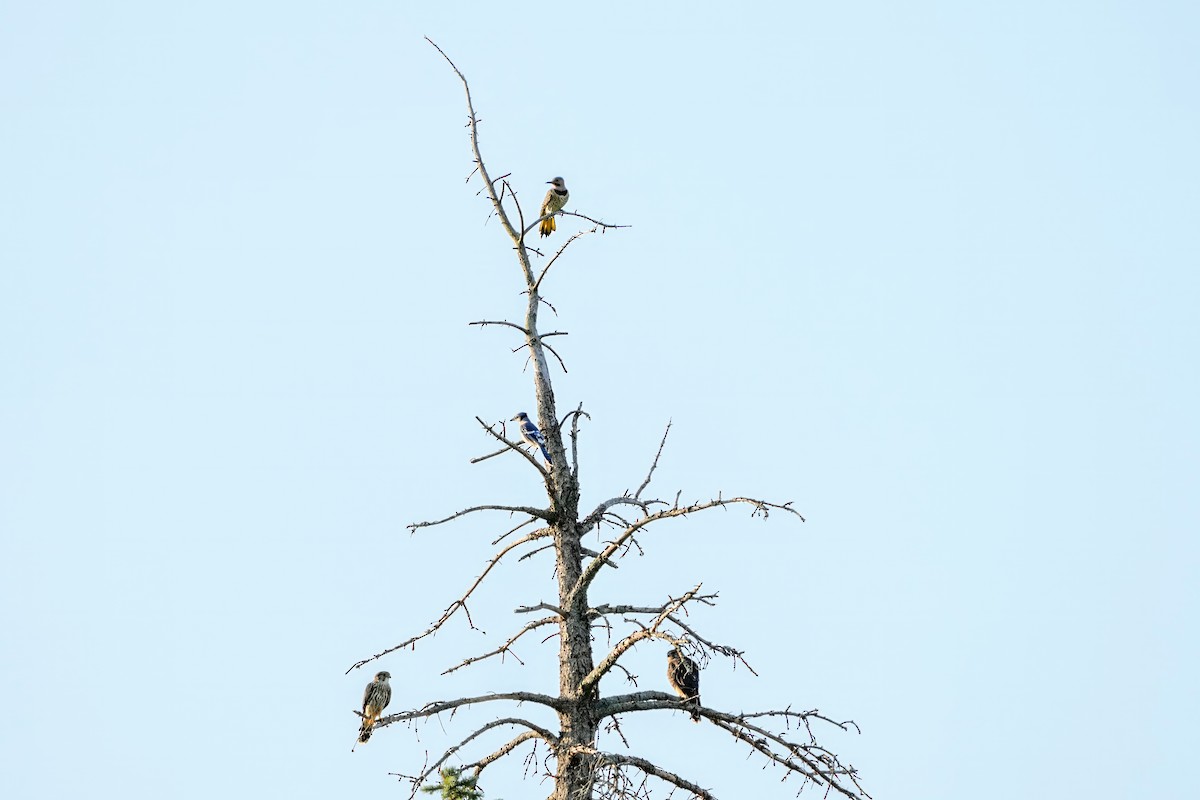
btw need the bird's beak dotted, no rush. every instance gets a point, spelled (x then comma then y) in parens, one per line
(514, 419)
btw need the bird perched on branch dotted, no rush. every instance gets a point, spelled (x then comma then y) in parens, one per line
(684, 677)
(556, 198)
(375, 700)
(531, 434)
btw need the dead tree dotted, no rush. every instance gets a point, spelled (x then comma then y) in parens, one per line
(571, 755)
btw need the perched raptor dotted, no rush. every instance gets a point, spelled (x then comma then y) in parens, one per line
(684, 676)
(375, 700)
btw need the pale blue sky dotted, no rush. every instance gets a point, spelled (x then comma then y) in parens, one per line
(927, 269)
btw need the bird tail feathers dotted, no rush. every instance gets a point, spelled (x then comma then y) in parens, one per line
(548, 226)
(364, 732)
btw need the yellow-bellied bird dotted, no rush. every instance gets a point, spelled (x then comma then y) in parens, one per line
(684, 677)
(556, 198)
(375, 700)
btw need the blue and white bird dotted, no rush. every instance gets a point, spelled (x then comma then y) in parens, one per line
(531, 434)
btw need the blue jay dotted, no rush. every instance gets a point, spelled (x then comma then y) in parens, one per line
(532, 435)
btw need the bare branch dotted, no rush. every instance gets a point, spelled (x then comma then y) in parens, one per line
(654, 464)
(520, 449)
(460, 603)
(473, 123)
(761, 507)
(550, 263)
(590, 553)
(514, 529)
(811, 761)
(722, 649)
(601, 510)
(534, 552)
(536, 513)
(845, 725)
(520, 212)
(575, 415)
(493, 454)
(814, 763)
(650, 632)
(649, 700)
(483, 323)
(506, 647)
(606, 609)
(554, 352)
(606, 226)
(539, 607)
(439, 706)
(534, 732)
(650, 768)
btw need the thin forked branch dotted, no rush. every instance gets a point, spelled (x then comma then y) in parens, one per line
(647, 632)
(537, 513)
(505, 648)
(533, 732)
(460, 603)
(761, 507)
(809, 760)
(473, 123)
(618, 760)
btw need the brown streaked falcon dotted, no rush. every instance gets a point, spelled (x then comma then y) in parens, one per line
(684, 677)
(375, 700)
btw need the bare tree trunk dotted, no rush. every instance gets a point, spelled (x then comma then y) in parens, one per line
(575, 751)
(581, 768)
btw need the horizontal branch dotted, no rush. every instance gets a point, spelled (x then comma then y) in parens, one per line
(606, 609)
(624, 500)
(643, 701)
(607, 226)
(539, 607)
(601, 226)
(439, 706)
(483, 323)
(539, 513)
